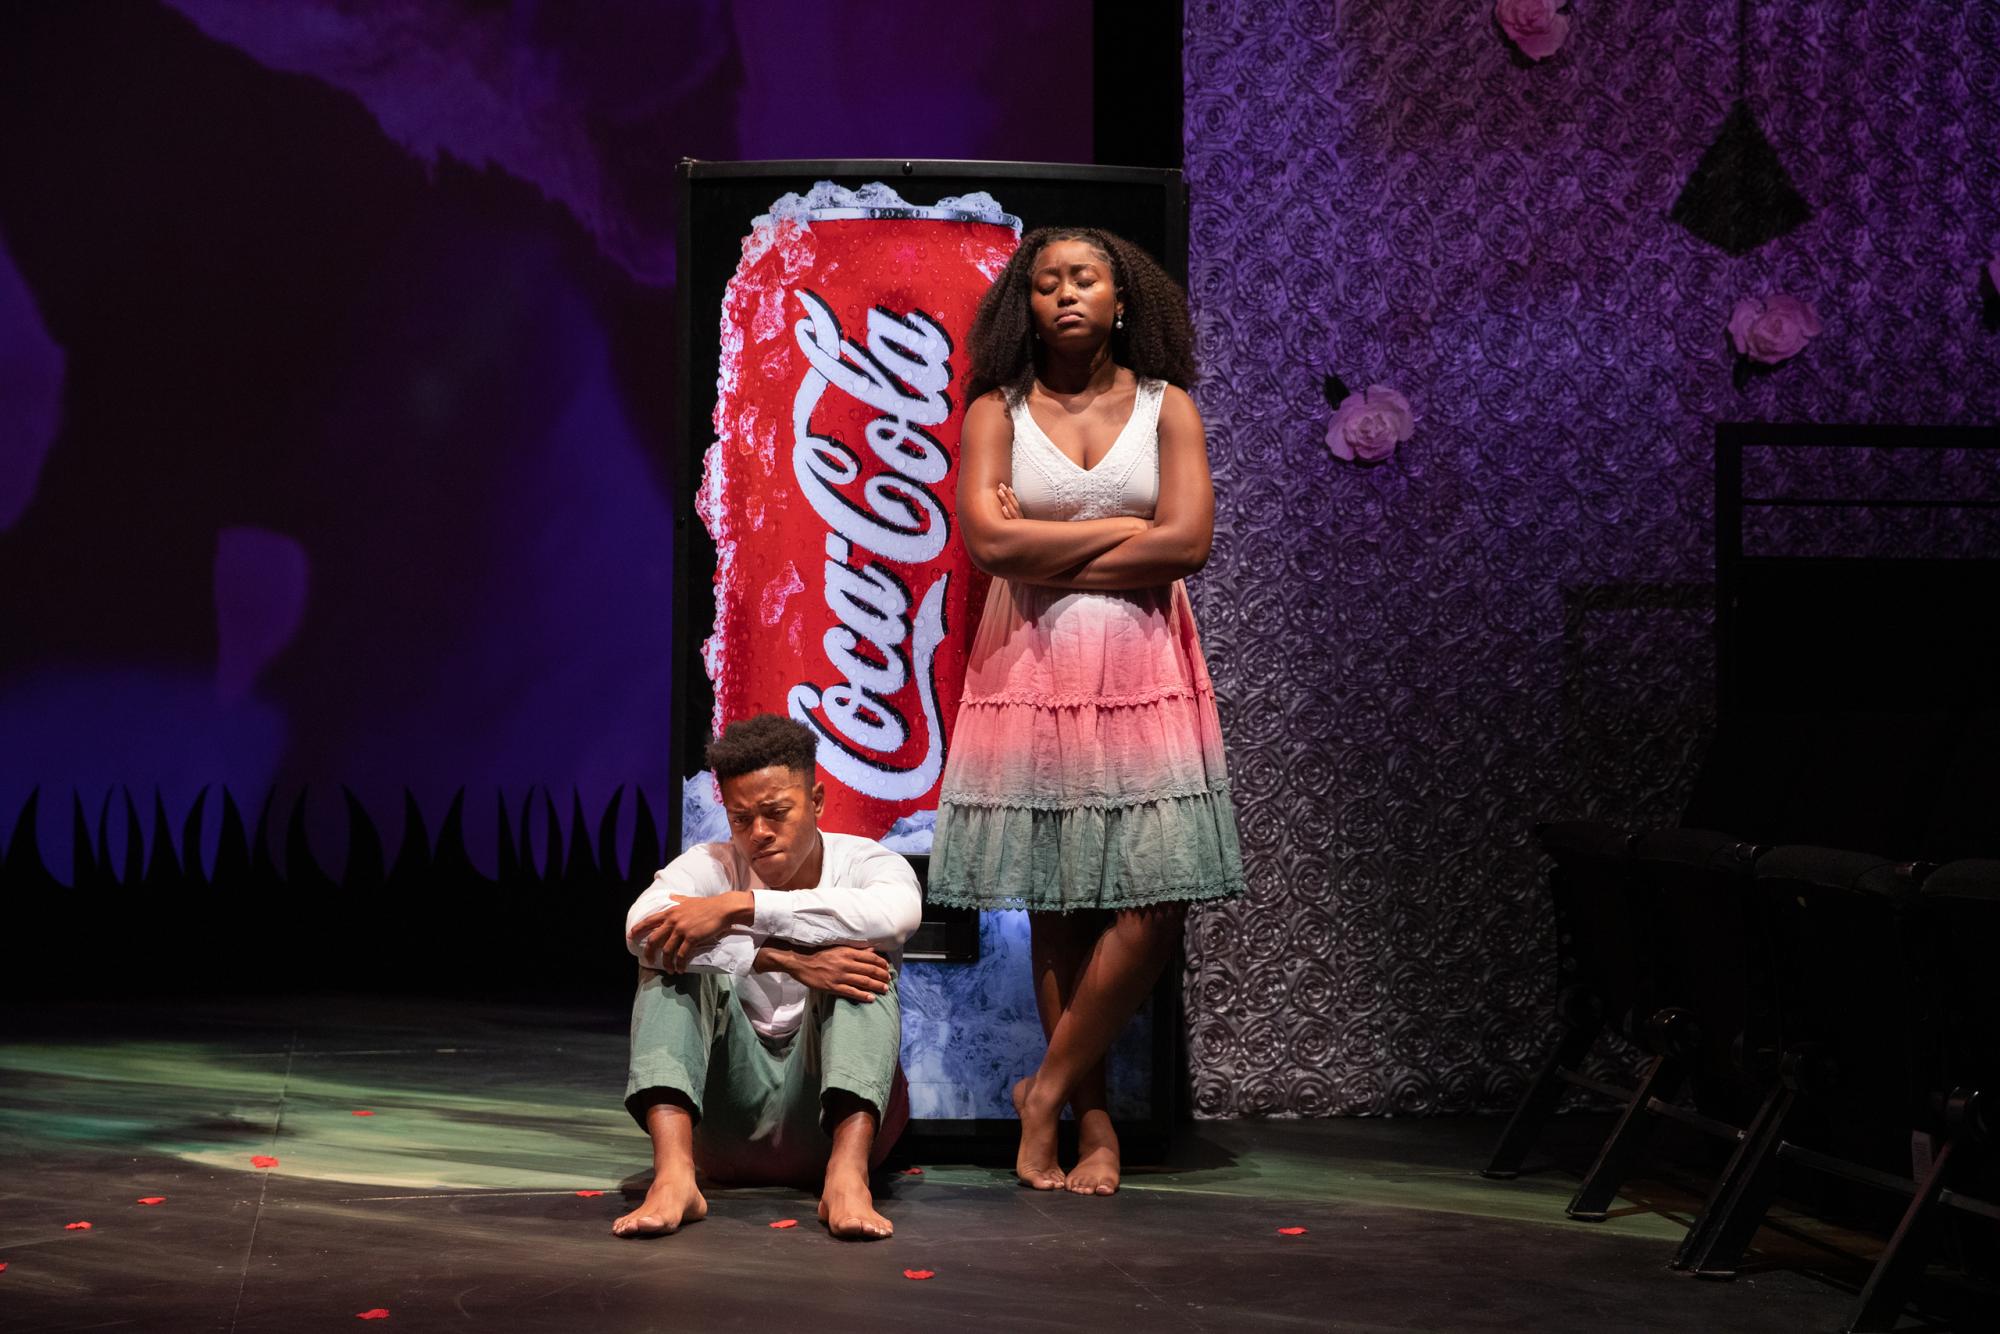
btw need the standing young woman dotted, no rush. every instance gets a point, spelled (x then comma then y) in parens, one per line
(1085, 781)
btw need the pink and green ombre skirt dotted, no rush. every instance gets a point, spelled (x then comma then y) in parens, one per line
(1086, 770)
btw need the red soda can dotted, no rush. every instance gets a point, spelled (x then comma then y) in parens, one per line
(841, 597)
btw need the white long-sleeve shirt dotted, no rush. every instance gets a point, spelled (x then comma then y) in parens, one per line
(866, 893)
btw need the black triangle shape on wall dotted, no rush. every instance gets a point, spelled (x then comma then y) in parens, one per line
(1739, 195)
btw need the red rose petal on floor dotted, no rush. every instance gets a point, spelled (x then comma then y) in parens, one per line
(786, 1222)
(76, 1227)
(263, 1160)
(919, 1273)
(373, 1313)
(152, 1199)
(363, 1111)
(588, 1193)
(1291, 1232)
(912, 1172)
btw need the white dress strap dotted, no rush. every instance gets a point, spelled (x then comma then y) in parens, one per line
(1126, 481)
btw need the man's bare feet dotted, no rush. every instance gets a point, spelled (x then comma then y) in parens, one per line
(1096, 1170)
(848, 1208)
(671, 1202)
(1035, 1160)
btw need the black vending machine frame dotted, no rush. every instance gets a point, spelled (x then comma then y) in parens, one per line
(717, 203)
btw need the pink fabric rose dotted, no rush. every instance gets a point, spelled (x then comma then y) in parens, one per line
(1533, 25)
(1367, 427)
(1772, 329)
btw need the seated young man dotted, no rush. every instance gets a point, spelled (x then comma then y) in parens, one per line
(766, 1028)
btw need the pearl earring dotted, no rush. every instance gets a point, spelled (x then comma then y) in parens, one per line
(1119, 323)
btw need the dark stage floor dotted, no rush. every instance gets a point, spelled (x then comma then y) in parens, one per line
(456, 1204)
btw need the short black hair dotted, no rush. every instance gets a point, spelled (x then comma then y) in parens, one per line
(757, 743)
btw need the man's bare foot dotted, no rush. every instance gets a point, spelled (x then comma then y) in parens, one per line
(671, 1202)
(1035, 1160)
(1096, 1170)
(848, 1208)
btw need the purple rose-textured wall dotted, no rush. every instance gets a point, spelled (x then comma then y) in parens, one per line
(1509, 618)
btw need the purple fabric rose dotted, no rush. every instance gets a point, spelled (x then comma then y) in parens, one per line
(1533, 25)
(1367, 427)
(1772, 329)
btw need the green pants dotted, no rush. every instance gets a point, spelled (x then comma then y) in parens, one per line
(758, 1103)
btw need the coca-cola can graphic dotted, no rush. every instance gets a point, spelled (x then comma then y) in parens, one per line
(841, 596)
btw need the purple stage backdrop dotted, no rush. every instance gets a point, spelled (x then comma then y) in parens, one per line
(1510, 619)
(336, 350)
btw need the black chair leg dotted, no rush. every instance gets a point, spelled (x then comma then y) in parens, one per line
(1532, 1116)
(1881, 1301)
(1712, 1207)
(1714, 1245)
(1626, 1144)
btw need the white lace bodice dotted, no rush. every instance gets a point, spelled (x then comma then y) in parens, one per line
(1126, 481)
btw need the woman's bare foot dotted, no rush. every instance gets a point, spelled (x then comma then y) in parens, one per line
(1096, 1170)
(671, 1202)
(848, 1208)
(1035, 1160)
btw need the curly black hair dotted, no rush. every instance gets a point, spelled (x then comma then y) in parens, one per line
(760, 742)
(1157, 342)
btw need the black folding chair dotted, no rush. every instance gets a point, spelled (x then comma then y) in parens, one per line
(1601, 973)
(1959, 936)
(1850, 1019)
(1702, 949)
